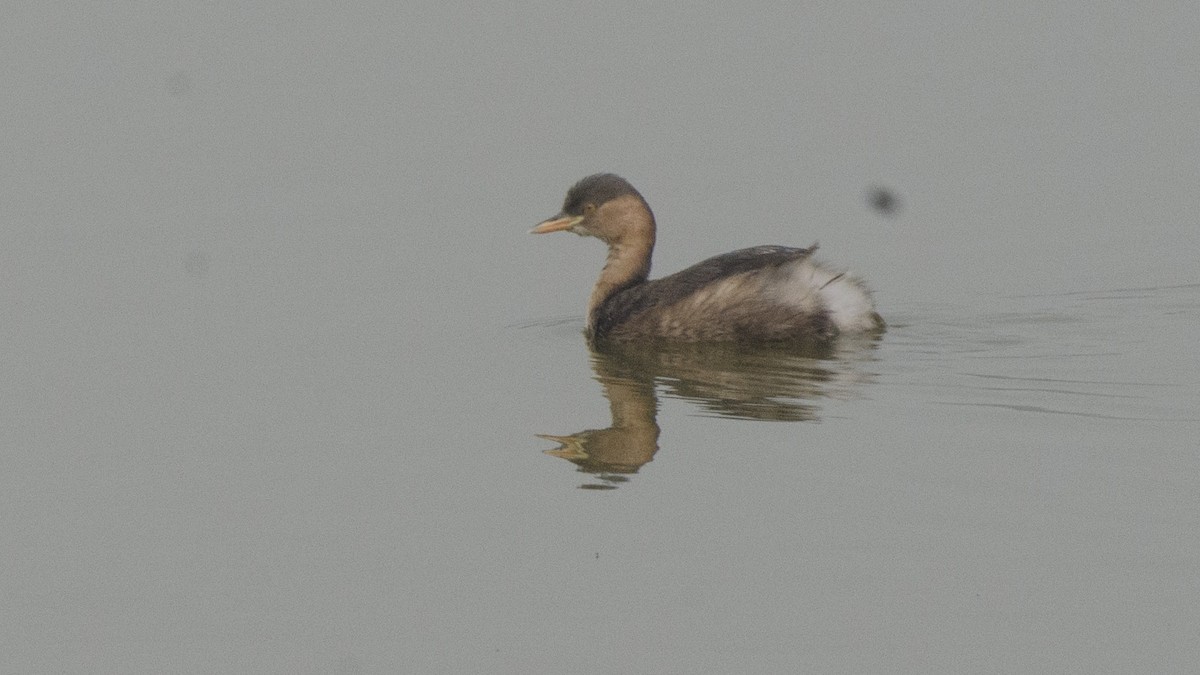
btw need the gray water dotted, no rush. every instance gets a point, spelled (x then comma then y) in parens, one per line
(280, 363)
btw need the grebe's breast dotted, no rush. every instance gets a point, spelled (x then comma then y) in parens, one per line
(754, 294)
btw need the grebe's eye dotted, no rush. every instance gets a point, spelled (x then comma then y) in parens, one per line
(589, 209)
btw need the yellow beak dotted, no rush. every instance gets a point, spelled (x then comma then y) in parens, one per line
(557, 224)
(570, 447)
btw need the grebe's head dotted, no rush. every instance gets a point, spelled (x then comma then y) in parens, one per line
(604, 206)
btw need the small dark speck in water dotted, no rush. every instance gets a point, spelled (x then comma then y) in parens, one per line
(883, 200)
(179, 83)
(196, 263)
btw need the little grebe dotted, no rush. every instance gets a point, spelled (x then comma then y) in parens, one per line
(765, 293)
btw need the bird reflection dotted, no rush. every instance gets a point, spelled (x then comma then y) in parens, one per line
(722, 379)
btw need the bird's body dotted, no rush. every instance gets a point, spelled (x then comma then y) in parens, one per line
(760, 294)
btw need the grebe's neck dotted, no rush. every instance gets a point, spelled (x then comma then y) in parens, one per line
(626, 266)
(630, 247)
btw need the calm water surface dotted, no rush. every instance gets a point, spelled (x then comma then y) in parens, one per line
(286, 388)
